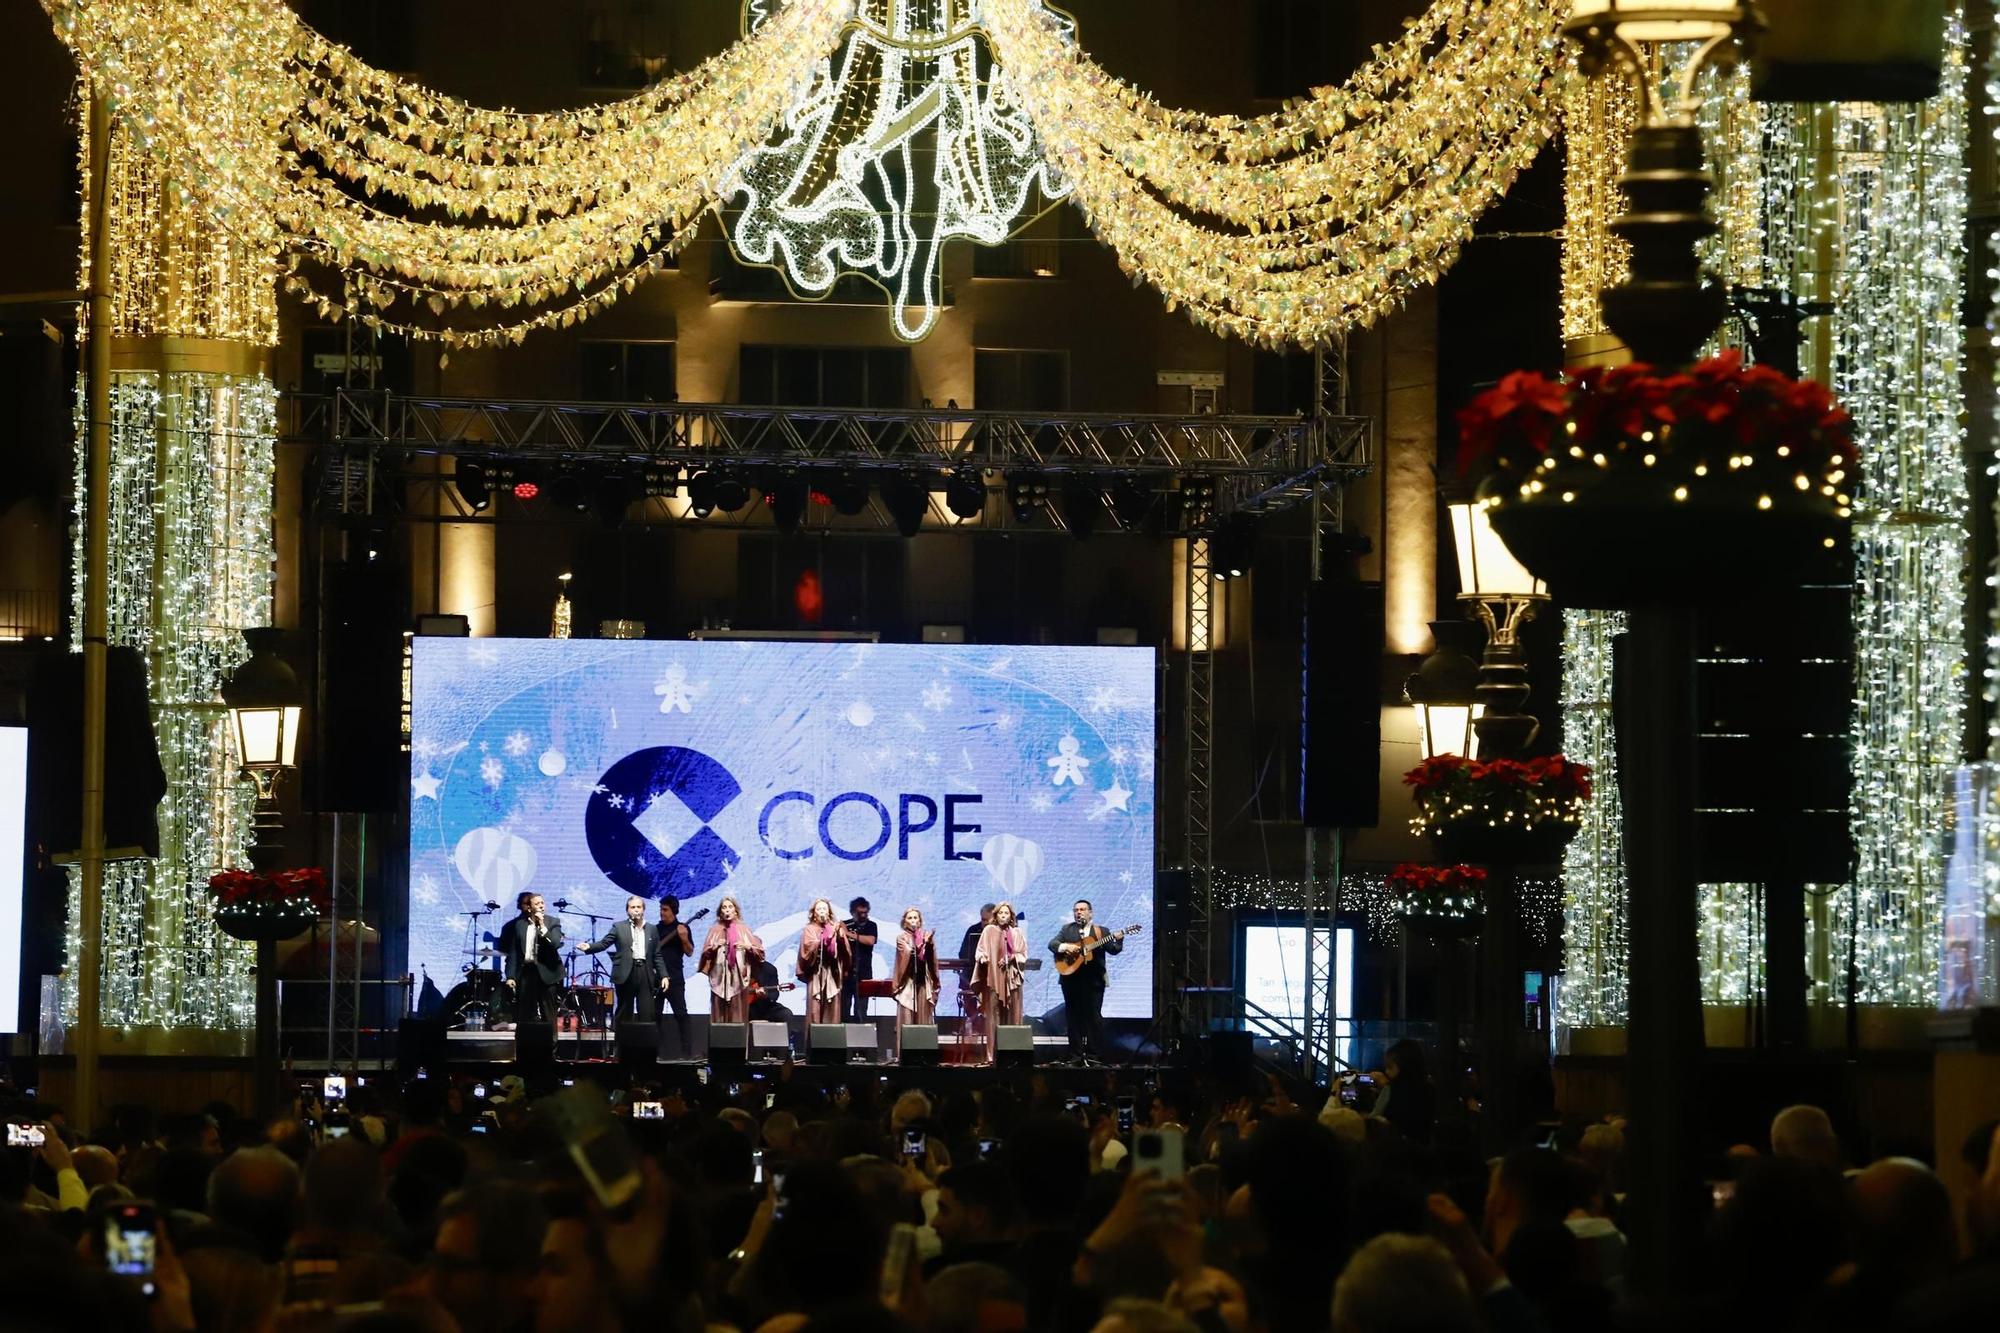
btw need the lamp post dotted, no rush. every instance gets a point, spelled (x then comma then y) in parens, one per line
(1503, 596)
(264, 699)
(1663, 312)
(1444, 693)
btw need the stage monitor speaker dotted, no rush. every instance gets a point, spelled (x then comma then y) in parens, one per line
(1340, 735)
(920, 1045)
(1014, 1044)
(727, 1045)
(535, 1052)
(826, 1043)
(638, 1044)
(861, 1037)
(420, 1044)
(131, 754)
(767, 1037)
(362, 620)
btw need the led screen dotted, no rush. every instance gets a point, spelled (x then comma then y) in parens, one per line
(927, 775)
(13, 864)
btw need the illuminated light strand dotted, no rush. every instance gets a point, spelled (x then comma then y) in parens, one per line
(1368, 893)
(1595, 934)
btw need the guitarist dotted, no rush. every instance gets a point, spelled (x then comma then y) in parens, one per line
(672, 945)
(1083, 989)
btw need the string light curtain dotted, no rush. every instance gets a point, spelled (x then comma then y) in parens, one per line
(1862, 207)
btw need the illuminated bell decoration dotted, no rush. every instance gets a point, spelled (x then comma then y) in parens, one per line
(264, 698)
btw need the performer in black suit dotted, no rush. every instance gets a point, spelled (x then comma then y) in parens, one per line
(1083, 989)
(670, 954)
(531, 944)
(862, 935)
(632, 972)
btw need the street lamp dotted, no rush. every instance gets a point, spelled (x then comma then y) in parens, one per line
(1444, 693)
(264, 698)
(1503, 596)
(1608, 30)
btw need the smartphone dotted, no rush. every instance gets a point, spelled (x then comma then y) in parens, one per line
(478, 1127)
(770, 1100)
(1083, 1099)
(423, 1073)
(25, 1136)
(735, 1091)
(757, 1166)
(648, 1111)
(569, 1083)
(915, 1144)
(1162, 1151)
(896, 1263)
(1124, 1114)
(132, 1242)
(701, 1075)
(987, 1148)
(333, 1088)
(777, 1185)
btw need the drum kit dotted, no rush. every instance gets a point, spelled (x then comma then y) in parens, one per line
(586, 1002)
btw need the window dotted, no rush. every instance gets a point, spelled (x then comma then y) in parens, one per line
(824, 376)
(628, 372)
(1020, 381)
(1295, 49)
(1034, 252)
(625, 44)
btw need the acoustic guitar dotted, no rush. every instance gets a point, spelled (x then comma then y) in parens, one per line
(1067, 964)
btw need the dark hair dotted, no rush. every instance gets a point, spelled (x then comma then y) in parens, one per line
(521, 899)
(984, 908)
(983, 1185)
(858, 902)
(1086, 902)
(673, 902)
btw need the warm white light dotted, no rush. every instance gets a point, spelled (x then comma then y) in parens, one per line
(1661, 20)
(1447, 729)
(1486, 568)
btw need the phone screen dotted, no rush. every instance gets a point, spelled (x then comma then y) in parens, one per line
(1124, 1115)
(479, 1089)
(333, 1088)
(25, 1136)
(131, 1242)
(757, 1165)
(648, 1111)
(915, 1143)
(770, 1100)
(987, 1147)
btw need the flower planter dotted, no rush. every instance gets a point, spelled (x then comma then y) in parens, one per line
(1476, 842)
(270, 919)
(1440, 915)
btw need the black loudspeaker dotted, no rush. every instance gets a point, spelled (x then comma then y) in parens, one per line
(361, 639)
(826, 1043)
(1231, 1059)
(1340, 733)
(420, 1044)
(1014, 1045)
(920, 1045)
(134, 782)
(638, 1044)
(728, 1044)
(535, 1052)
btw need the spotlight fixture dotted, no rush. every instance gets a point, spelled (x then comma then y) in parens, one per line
(786, 493)
(1081, 506)
(1133, 502)
(965, 493)
(1198, 493)
(1233, 549)
(611, 496)
(662, 481)
(518, 484)
(1027, 491)
(701, 494)
(474, 484)
(730, 493)
(848, 493)
(908, 499)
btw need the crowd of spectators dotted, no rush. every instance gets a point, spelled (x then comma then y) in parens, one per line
(778, 1202)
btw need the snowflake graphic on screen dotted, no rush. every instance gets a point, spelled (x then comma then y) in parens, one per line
(492, 771)
(1105, 700)
(1068, 761)
(676, 694)
(937, 696)
(1041, 802)
(517, 744)
(426, 891)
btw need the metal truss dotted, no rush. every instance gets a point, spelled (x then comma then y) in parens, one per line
(1198, 731)
(1322, 891)
(1256, 464)
(347, 885)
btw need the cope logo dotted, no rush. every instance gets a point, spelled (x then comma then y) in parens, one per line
(648, 820)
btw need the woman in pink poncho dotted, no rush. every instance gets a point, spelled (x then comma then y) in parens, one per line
(997, 969)
(826, 957)
(916, 978)
(729, 958)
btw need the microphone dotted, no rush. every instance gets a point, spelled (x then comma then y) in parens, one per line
(493, 907)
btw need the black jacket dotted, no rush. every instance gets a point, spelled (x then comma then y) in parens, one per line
(1071, 933)
(547, 962)
(620, 935)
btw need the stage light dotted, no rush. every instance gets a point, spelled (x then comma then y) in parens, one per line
(848, 493)
(525, 489)
(786, 495)
(1198, 494)
(1080, 506)
(1234, 548)
(610, 497)
(1133, 503)
(965, 493)
(701, 494)
(661, 482)
(730, 493)
(474, 485)
(1027, 491)
(908, 499)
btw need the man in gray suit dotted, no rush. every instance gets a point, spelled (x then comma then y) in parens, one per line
(632, 966)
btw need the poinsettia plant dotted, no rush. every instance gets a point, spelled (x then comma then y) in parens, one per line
(1414, 879)
(1718, 428)
(1452, 791)
(305, 888)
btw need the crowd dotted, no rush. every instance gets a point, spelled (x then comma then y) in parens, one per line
(1145, 1205)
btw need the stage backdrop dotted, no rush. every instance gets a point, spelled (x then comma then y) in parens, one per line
(935, 776)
